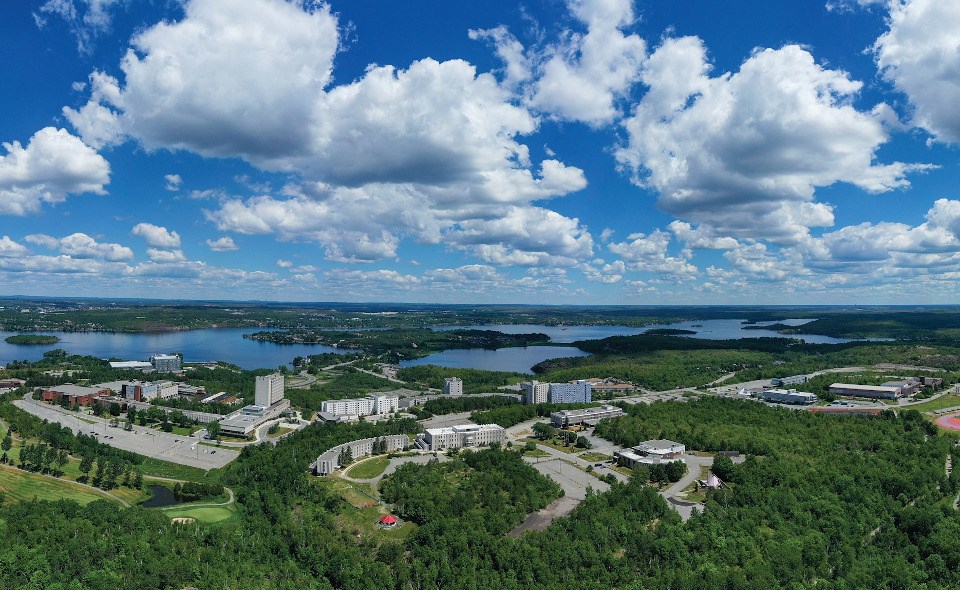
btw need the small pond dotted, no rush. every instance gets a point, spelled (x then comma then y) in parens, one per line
(162, 496)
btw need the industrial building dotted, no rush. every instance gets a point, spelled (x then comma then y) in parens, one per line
(329, 461)
(567, 418)
(373, 405)
(651, 452)
(167, 363)
(74, 394)
(461, 436)
(788, 396)
(453, 386)
(269, 389)
(795, 380)
(535, 392)
(871, 391)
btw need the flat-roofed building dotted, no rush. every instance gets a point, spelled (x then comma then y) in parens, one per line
(132, 365)
(167, 363)
(329, 461)
(651, 452)
(907, 386)
(579, 392)
(269, 389)
(243, 422)
(362, 406)
(74, 394)
(871, 391)
(6, 384)
(453, 386)
(794, 380)
(566, 418)
(788, 396)
(535, 392)
(461, 436)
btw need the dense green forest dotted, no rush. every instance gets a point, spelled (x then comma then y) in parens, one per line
(474, 380)
(32, 339)
(348, 383)
(826, 502)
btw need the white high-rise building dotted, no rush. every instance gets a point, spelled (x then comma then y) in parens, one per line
(269, 390)
(362, 406)
(453, 386)
(535, 392)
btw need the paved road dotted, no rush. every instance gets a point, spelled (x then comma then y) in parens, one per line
(183, 450)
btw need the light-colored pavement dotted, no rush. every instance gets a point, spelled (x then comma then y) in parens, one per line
(183, 450)
(574, 481)
(446, 420)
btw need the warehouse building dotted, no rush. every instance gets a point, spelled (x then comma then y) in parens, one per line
(871, 391)
(788, 396)
(567, 418)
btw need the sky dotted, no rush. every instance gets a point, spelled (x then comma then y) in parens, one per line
(541, 151)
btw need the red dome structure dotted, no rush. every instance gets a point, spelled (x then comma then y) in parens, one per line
(388, 520)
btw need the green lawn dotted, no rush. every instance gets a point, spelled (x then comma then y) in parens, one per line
(283, 430)
(594, 456)
(208, 515)
(368, 469)
(20, 486)
(948, 401)
(159, 468)
(536, 453)
(553, 444)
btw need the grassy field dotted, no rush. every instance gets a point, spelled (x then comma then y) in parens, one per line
(536, 453)
(360, 518)
(368, 469)
(283, 430)
(208, 514)
(594, 456)
(553, 444)
(20, 486)
(159, 468)
(948, 401)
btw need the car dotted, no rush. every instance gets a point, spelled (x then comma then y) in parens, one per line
(213, 452)
(598, 464)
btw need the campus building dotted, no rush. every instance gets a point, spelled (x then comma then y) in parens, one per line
(461, 436)
(651, 452)
(269, 389)
(579, 392)
(167, 363)
(243, 422)
(372, 405)
(453, 386)
(329, 461)
(788, 396)
(74, 394)
(535, 392)
(795, 380)
(871, 391)
(567, 418)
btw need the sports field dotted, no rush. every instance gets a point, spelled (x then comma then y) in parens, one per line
(951, 422)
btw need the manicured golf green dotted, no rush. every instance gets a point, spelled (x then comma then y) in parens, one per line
(208, 514)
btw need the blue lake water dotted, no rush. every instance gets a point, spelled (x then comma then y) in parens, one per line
(518, 359)
(215, 344)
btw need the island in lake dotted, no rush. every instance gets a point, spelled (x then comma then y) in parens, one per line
(669, 332)
(31, 339)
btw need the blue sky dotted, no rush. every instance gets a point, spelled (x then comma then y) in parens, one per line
(548, 151)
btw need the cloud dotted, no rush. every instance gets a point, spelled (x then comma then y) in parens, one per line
(223, 244)
(53, 165)
(165, 256)
(81, 246)
(920, 55)
(10, 248)
(648, 253)
(98, 125)
(584, 74)
(284, 263)
(744, 153)
(173, 182)
(156, 235)
(87, 19)
(701, 237)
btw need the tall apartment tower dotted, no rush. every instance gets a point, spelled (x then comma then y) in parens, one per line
(269, 390)
(453, 386)
(535, 392)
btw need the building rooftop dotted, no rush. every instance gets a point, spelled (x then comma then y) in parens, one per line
(130, 365)
(71, 389)
(855, 386)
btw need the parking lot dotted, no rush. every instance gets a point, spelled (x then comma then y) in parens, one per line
(144, 441)
(573, 481)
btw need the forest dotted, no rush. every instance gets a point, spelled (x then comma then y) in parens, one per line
(474, 380)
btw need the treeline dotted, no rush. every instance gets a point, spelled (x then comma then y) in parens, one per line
(489, 491)
(452, 405)
(474, 380)
(190, 491)
(349, 383)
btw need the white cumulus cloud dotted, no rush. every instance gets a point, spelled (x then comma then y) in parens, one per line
(157, 236)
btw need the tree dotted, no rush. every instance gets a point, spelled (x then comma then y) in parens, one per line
(62, 459)
(724, 468)
(138, 479)
(213, 430)
(6, 445)
(583, 443)
(49, 456)
(544, 431)
(86, 464)
(114, 409)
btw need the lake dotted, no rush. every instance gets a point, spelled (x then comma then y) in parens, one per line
(214, 344)
(518, 359)
(560, 334)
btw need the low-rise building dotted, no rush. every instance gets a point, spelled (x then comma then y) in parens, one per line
(74, 394)
(146, 391)
(453, 386)
(461, 436)
(329, 461)
(143, 366)
(651, 452)
(933, 382)
(907, 386)
(363, 406)
(871, 391)
(8, 384)
(567, 418)
(794, 380)
(788, 396)
(243, 422)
